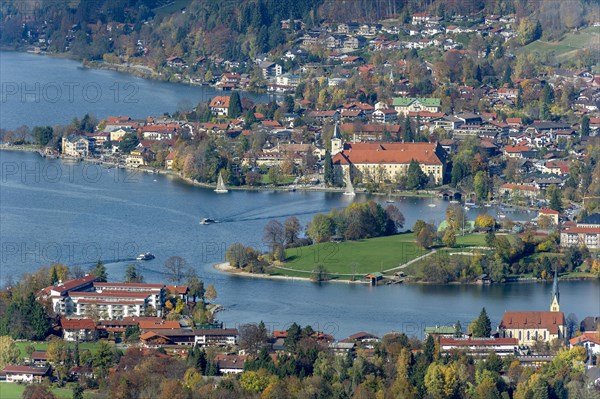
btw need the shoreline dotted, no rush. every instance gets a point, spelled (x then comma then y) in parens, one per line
(188, 180)
(136, 70)
(226, 268)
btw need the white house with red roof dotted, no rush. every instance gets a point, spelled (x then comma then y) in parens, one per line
(549, 213)
(78, 330)
(219, 105)
(25, 374)
(590, 340)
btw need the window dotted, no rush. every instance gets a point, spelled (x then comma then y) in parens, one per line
(528, 336)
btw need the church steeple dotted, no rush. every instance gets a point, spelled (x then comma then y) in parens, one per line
(555, 307)
(336, 140)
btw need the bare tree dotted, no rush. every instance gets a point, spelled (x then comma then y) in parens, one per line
(274, 235)
(176, 268)
(292, 228)
(395, 219)
(253, 337)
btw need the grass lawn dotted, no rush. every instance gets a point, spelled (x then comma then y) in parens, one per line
(568, 45)
(171, 7)
(10, 390)
(283, 181)
(42, 346)
(360, 257)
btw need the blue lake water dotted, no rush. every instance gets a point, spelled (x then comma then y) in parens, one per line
(78, 213)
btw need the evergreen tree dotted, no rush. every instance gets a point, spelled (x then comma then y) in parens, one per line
(457, 329)
(99, 271)
(235, 105)
(328, 168)
(76, 356)
(482, 326)
(585, 126)
(415, 178)
(408, 135)
(429, 348)
(132, 275)
(555, 198)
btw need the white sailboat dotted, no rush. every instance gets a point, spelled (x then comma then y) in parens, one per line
(220, 185)
(349, 187)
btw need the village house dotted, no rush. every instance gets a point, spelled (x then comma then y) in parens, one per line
(169, 160)
(230, 364)
(219, 105)
(551, 214)
(80, 330)
(77, 146)
(405, 105)
(190, 337)
(384, 115)
(38, 358)
(512, 190)
(589, 340)
(139, 157)
(25, 374)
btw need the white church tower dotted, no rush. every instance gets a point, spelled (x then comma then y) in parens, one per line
(336, 140)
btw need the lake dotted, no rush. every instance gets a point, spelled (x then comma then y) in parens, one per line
(40, 90)
(77, 213)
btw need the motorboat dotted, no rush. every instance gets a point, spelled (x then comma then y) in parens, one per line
(145, 256)
(207, 221)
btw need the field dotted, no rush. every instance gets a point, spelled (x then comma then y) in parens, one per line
(42, 346)
(15, 391)
(171, 7)
(568, 45)
(342, 260)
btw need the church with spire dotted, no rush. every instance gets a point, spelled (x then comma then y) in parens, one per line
(530, 327)
(555, 306)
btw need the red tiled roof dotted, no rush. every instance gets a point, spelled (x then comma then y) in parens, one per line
(589, 230)
(25, 370)
(533, 320)
(162, 325)
(523, 187)
(220, 102)
(585, 337)
(230, 361)
(180, 289)
(516, 148)
(388, 153)
(39, 355)
(71, 284)
(361, 335)
(279, 333)
(77, 324)
(547, 211)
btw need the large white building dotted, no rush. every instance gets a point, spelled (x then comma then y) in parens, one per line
(84, 297)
